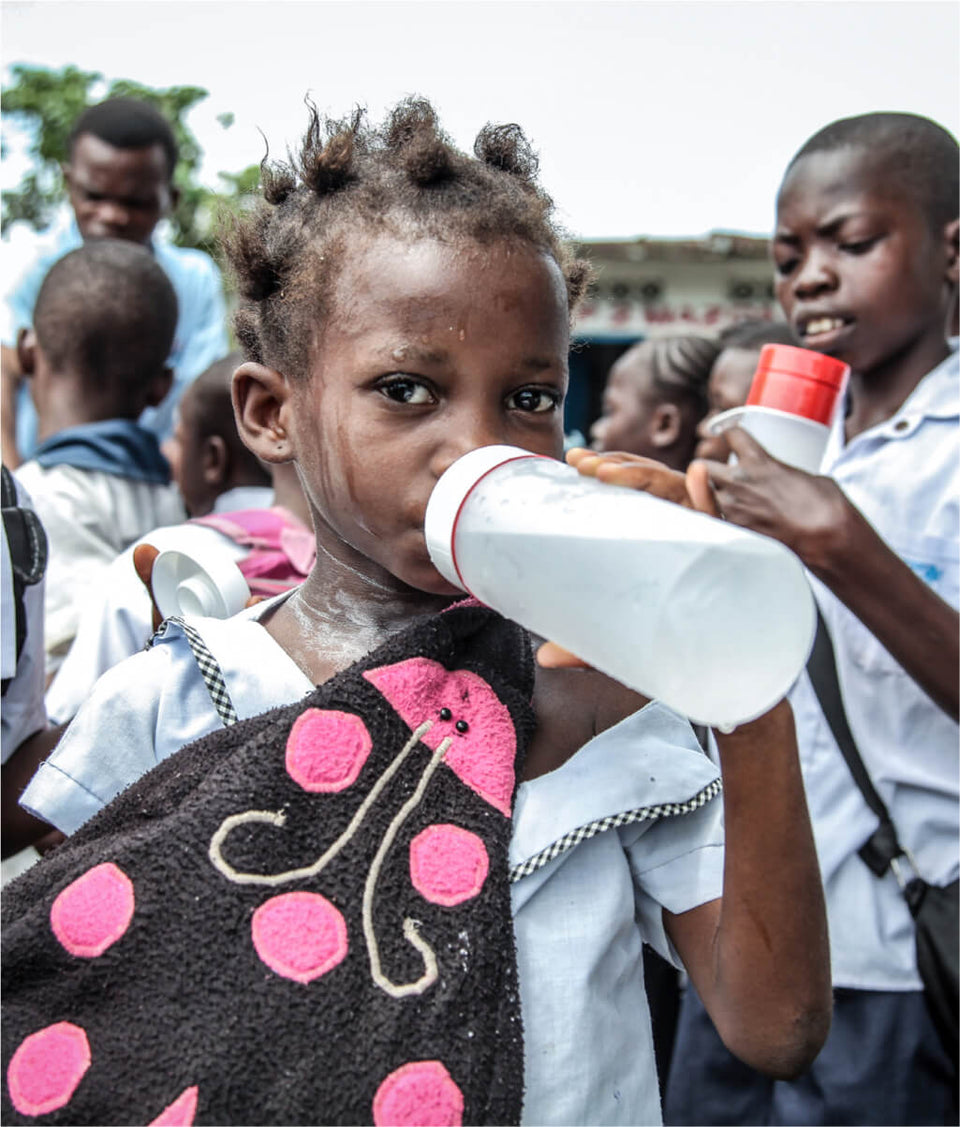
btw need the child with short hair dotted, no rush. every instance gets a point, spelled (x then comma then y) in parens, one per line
(732, 374)
(402, 304)
(242, 513)
(97, 356)
(655, 395)
(866, 257)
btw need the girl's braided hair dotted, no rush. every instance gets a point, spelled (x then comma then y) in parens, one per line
(403, 177)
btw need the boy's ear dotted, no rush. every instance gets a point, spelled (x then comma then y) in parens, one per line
(261, 404)
(666, 425)
(215, 461)
(27, 351)
(952, 235)
(158, 388)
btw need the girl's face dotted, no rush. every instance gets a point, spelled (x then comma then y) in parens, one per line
(430, 350)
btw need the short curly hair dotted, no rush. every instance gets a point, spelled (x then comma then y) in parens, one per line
(403, 177)
(915, 153)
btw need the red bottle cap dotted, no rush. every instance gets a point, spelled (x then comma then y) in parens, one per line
(799, 381)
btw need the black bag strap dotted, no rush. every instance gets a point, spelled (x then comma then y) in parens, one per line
(27, 545)
(882, 846)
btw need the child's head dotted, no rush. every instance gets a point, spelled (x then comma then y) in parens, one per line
(655, 395)
(402, 303)
(866, 241)
(205, 453)
(732, 374)
(119, 174)
(103, 327)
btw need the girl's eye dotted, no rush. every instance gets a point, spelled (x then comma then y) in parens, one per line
(403, 389)
(533, 400)
(784, 266)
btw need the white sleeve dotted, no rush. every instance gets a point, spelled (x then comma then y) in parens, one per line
(677, 864)
(139, 712)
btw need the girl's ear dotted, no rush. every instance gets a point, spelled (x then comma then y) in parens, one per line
(261, 404)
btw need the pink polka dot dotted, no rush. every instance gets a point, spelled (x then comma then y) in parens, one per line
(448, 864)
(419, 1094)
(47, 1067)
(93, 912)
(180, 1113)
(300, 935)
(326, 750)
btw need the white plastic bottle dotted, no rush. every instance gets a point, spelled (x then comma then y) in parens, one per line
(715, 621)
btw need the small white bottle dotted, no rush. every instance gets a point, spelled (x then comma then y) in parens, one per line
(207, 583)
(715, 621)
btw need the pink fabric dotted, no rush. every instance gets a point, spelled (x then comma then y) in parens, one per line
(482, 756)
(326, 750)
(300, 935)
(448, 864)
(419, 1094)
(180, 1113)
(47, 1067)
(282, 550)
(93, 912)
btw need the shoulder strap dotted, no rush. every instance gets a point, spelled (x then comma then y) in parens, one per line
(27, 547)
(882, 846)
(208, 665)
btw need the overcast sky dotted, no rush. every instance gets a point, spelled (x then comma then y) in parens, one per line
(650, 118)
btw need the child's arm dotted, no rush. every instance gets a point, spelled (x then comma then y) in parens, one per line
(813, 517)
(760, 957)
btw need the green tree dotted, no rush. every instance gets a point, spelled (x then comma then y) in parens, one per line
(45, 103)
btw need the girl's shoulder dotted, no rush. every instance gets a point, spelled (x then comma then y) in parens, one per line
(572, 706)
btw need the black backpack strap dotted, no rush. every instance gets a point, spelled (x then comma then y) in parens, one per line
(882, 846)
(27, 545)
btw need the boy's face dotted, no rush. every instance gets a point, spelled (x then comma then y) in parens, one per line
(429, 351)
(628, 402)
(728, 387)
(184, 451)
(860, 274)
(117, 193)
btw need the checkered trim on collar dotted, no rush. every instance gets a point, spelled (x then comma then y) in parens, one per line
(613, 821)
(209, 668)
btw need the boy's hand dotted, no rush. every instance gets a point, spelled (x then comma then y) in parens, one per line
(632, 471)
(144, 557)
(802, 510)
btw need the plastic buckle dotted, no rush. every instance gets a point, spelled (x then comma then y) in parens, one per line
(896, 865)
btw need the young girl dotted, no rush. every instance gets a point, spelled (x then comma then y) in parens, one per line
(403, 304)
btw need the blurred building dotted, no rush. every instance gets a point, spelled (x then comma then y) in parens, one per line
(648, 287)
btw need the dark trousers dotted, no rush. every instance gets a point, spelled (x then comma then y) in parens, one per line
(882, 1064)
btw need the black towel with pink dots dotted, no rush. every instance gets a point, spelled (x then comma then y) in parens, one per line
(302, 918)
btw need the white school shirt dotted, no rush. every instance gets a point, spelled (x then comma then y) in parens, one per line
(89, 517)
(117, 621)
(904, 476)
(586, 891)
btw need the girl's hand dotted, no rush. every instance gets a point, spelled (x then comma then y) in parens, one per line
(803, 511)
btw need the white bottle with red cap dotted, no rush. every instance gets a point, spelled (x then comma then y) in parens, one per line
(791, 406)
(715, 621)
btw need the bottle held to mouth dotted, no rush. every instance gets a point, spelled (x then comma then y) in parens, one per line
(713, 620)
(793, 398)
